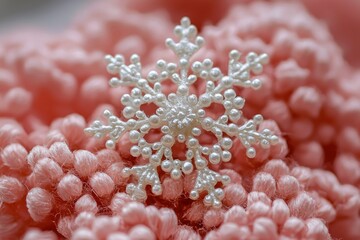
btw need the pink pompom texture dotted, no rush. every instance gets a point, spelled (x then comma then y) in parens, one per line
(56, 182)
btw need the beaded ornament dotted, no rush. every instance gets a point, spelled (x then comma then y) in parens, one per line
(181, 116)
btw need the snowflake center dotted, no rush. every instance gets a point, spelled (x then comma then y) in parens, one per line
(180, 117)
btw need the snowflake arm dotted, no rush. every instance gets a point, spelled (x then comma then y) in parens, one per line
(181, 116)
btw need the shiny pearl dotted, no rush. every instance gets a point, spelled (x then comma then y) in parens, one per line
(219, 193)
(226, 156)
(256, 84)
(126, 172)
(214, 158)
(274, 140)
(234, 54)
(134, 136)
(110, 144)
(194, 195)
(227, 81)
(154, 159)
(193, 142)
(258, 119)
(128, 112)
(156, 189)
(225, 179)
(239, 102)
(229, 94)
(216, 204)
(135, 151)
(200, 164)
(183, 89)
(196, 131)
(146, 152)
(175, 174)
(181, 138)
(226, 143)
(187, 167)
(208, 200)
(250, 152)
(166, 166)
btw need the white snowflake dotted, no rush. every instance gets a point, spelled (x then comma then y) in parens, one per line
(181, 116)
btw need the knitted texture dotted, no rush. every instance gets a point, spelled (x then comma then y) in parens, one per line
(57, 182)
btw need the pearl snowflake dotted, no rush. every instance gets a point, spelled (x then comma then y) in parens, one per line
(181, 116)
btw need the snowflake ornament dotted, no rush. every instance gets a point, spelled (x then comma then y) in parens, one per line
(181, 116)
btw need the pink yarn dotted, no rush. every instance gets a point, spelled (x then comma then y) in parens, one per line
(55, 182)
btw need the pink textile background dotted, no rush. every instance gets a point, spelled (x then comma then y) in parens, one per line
(56, 182)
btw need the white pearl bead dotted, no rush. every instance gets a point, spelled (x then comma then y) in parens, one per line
(153, 76)
(205, 100)
(216, 204)
(126, 172)
(134, 136)
(196, 131)
(226, 143)
(131, 123)
(135, 151)
(200, 163)
(234, 54)
(183, 90)
(154, 120)
(218, 98)
(256, 84)
(229, 94)
(208, 200)
(250, 152)
(207, 63)
(142, 82)
(192, 99)
(274, 140)
(175, 174)
(239, 102)
(234, 115)
(193, 142)
(227, 81)
(181, 138)
(219, 193)
(225, 179)
(196, 66)
(128, 112)
(226, 156)
(126, 99)
(167, 140)
(154, 159)
(189, 154)
(208, 123)
(258, 119)
(187, 167)
(214, 158)
(194, 195)
(166, 166)
(156, 189)
(110, 144)
(146, 152)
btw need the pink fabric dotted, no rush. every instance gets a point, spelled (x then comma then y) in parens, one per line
(58, 183)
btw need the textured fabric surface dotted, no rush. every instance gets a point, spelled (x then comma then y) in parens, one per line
(56, 182)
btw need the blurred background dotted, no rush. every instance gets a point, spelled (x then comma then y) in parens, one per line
(52, 15)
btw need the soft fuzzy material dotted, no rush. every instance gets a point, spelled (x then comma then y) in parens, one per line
(56, 182)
